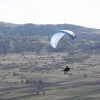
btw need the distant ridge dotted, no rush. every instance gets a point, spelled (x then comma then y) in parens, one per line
(30, 29)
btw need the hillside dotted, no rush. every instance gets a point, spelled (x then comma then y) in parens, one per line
(16, 38)
(7, 29)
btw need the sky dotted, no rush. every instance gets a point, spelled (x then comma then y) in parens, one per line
(78, 12)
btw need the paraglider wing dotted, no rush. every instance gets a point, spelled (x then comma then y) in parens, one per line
(55, 39)
(58, 35)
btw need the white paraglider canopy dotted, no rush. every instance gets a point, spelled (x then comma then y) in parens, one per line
(59, 34)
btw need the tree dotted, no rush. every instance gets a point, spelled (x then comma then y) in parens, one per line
(40, 82)
(85, 75)
(43, 92)
(27, 82)
(22, 82)
(38, 87)
(37, 92)
(34, 82)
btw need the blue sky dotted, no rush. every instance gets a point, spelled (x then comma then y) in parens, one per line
(79, 12)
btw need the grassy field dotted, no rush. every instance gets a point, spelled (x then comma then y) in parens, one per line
(82, 82)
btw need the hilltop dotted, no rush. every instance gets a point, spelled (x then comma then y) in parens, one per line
(29, 29)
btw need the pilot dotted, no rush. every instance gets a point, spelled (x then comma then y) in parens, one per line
(66, 69)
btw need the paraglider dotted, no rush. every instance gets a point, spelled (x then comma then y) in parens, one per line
(66, 69)
(59, 34)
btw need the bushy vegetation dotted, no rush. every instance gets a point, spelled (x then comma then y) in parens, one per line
(31, 69)
(36, 38)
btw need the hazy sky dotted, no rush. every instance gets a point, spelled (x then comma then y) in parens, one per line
(79, 12)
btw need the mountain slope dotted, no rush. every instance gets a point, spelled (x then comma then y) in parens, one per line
(16, 38)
